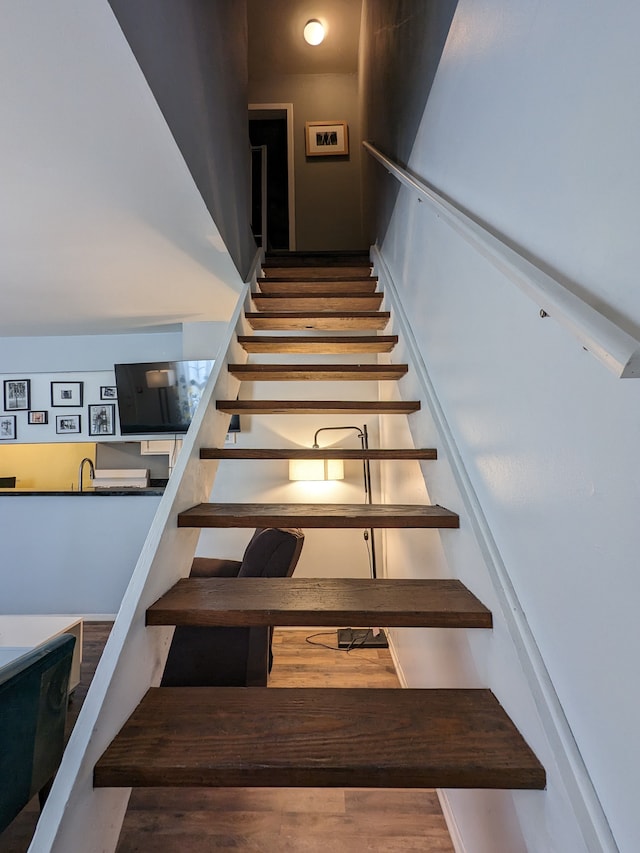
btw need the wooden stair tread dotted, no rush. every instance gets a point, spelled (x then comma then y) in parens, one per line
(319, 271)
(286, 257)
(317, 407)
(330, 320)
(315, 453)
(313, 601)
(318, 343)
(315, 737)
(305, 285)
(317, 372)
(317, 302)
(313, 258)
(317, 515)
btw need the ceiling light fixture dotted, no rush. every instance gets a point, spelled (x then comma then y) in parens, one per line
(313, 32)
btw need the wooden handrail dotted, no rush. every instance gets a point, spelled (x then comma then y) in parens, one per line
(615, 348)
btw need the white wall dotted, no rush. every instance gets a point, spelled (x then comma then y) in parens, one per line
(57, 354)
(326, 553)
(102, 228)
(530, 126)
(90, 359)
(62, 554)
(74, 564)
(327, 189)
(83, 358)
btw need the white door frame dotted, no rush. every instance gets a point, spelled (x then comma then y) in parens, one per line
(278, 110)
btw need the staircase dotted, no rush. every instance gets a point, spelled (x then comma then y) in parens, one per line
(316, 736)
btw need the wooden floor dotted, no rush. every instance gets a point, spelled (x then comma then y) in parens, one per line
(265, 820)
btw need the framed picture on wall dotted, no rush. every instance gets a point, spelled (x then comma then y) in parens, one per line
(16, 394)
(66, 393)
(326, 138)
(7, 427)
(108, 392)
(67, 424)
(38, 417)
(102, 419)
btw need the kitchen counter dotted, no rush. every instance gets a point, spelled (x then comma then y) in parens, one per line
(87, 493)
(155, 488)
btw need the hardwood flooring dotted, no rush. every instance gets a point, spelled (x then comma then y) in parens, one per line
(269, 820)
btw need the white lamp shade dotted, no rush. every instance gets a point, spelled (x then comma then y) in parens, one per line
(334, 469)
(316, 469)
(313, 32)
(160, 378)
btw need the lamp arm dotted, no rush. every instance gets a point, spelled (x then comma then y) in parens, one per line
(325, 429)
(363, 435)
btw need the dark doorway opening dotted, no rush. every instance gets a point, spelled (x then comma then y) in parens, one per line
(272, 133)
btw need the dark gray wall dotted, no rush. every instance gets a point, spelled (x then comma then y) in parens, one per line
(193, 54)
(327, 189)
(401, 48)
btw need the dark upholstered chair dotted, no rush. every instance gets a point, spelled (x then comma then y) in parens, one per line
(33, 713)
(233, 657)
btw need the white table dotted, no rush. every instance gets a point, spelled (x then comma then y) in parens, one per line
(19, 634)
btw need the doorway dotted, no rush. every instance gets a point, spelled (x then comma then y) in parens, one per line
(271, 130)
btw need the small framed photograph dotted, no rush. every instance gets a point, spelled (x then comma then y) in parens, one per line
(102, 419)
(67, 424)
(16, 394)
(326, 138)
(7, 427)
(108, 392)
(38, 417)
(66, 393)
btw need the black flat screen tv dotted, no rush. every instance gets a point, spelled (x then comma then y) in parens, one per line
(159, 396)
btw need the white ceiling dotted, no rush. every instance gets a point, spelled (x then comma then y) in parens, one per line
(276, 45)
(101, 227)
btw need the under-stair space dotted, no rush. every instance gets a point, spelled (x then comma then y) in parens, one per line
(194, 736)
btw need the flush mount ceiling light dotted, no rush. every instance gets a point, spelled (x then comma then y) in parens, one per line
(313, 32)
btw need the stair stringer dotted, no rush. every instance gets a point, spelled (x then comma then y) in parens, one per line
(77, 816)
(539, 714)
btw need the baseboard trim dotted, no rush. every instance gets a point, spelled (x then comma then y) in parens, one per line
(450, 820)
(447, 811)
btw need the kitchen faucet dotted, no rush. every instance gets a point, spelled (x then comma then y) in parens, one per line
(92, 471)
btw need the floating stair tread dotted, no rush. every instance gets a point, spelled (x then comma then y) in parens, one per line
(317, 407)
(306, 285)
(319, 271)
(318, 344)
(315, 453)
(317, 372)
(329, 320)
(318, 302)
(313, 601)
(286, 258)
(317, 515)
(315, 737)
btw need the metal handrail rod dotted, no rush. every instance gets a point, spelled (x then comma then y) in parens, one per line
(616, 349)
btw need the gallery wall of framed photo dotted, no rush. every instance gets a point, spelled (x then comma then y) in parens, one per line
(57, 407)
